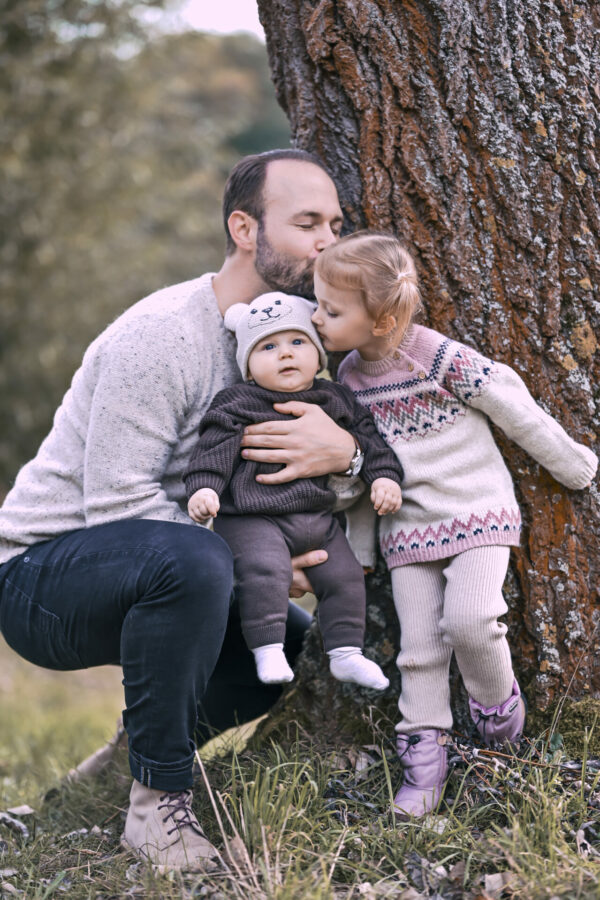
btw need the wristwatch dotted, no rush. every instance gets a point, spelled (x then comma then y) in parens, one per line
(356, 462)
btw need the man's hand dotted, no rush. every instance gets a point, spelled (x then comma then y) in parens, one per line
(203, 505)
(300, 583)
(310, 445)
(386, 496)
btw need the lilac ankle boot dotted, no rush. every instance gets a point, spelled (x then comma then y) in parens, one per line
(501, 724)
(425, 761)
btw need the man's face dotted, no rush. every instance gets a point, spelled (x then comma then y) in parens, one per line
(302, 216)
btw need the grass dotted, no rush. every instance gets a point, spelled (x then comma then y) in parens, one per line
(290, 823)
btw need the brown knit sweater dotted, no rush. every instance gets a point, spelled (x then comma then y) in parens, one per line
(216, 461)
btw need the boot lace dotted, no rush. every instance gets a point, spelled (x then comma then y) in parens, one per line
(482, 721)
(179, 806)
(411, 741)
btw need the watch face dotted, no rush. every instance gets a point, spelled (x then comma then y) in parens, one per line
(357, 463)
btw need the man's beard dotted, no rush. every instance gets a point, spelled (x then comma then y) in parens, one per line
(280, 272)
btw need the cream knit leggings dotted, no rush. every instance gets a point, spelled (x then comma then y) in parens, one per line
(450, 605)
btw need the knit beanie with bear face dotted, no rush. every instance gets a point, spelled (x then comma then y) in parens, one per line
(267, 315)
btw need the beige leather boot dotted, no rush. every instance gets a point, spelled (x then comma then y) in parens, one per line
(162, 829)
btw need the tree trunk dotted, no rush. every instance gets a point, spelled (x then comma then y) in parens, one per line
(469, 129)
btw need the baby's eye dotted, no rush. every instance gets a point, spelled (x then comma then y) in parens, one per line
(268, 346)
(298, 341)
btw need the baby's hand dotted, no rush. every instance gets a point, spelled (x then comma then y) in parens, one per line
(203, 505)
(386, 496)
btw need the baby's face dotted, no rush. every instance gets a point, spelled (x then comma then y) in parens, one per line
(285, 361)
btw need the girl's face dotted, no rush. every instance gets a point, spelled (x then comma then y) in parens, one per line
(343, 322)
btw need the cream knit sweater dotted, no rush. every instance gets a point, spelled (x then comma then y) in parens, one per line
(125, 430)
(431, 400)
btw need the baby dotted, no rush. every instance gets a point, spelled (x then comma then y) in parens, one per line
(279, 354)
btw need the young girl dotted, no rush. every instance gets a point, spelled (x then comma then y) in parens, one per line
(448, 545)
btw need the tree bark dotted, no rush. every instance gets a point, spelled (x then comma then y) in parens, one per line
(469, 128)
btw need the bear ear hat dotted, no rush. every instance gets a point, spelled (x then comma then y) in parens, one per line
(235, 314)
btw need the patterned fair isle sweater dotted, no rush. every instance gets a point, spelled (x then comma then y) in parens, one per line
(216, 462)
(431, 400)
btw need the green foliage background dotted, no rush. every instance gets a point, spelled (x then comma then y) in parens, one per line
(115, 143)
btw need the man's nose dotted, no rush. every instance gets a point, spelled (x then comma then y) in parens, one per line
(325, 237)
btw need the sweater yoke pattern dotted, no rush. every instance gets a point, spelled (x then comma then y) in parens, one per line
(431, 401)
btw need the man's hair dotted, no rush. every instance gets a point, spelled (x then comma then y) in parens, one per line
(244, 188)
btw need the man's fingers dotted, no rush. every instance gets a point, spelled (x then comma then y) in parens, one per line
(288, 473)
(266, 456)
(293, 407)
(300, 583)
(265, 437)
(311, 558)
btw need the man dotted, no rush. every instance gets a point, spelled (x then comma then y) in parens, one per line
(98, 561)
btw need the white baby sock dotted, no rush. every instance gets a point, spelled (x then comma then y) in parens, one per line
(271, 664)
(349, 664)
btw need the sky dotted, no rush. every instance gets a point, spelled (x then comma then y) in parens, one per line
(222, 15)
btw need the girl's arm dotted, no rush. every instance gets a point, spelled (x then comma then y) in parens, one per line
(500, 393)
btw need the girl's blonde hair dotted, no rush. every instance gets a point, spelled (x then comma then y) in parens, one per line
(381, 269)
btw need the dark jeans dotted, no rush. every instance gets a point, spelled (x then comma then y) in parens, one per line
(153, 597)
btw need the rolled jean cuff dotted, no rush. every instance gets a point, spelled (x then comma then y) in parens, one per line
(175, 776)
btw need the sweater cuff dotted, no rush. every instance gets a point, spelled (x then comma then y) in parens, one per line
(370, 476)
(195, 482)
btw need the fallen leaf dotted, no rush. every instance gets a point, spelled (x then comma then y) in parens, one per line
(99, 759)
(457, 872)
(362, 763)
(583, 847)
(494, 884)
(21, 810)
(15, 824)
(236, 851)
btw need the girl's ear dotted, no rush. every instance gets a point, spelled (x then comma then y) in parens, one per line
(384, 326)
(243, 229)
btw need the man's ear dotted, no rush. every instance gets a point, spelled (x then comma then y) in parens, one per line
(385, 325)
(243, 229)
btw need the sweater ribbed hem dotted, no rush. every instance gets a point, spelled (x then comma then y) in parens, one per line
(262, 635)
(8, 550)
(502, 528)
